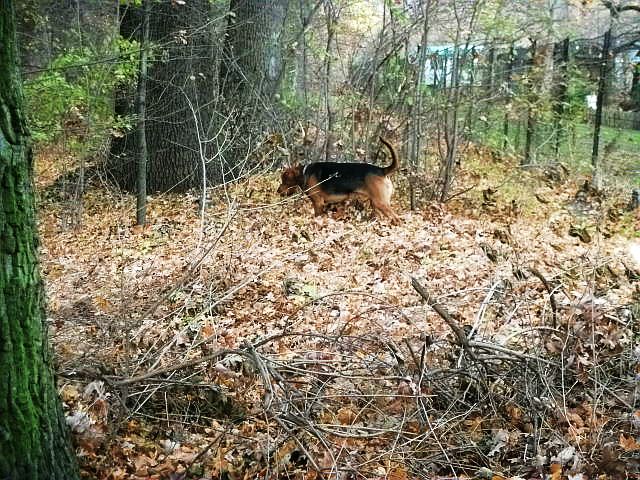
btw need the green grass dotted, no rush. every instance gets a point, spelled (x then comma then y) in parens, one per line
(621, 162)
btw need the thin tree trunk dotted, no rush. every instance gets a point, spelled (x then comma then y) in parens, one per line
(454, 100)
(418, 96)
(634, 92)
(141, 198)
(34, 440)
(602, 92)
(489, 80)
(531, 120)
(329, 136)
(301, 78)
(561, 92)
(508, 77)
(417, 106)
(452, 128)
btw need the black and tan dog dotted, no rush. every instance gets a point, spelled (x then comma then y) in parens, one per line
(331, 182)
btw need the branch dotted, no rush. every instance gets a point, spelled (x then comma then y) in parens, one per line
(306, 23)
(626, 8)
(552, 299)
(462, 338)
(617, 9)
(189, 363)
(510, 352)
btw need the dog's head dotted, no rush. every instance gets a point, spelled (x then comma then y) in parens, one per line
(290, 179)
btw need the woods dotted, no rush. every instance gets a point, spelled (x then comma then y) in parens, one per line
(319, 239)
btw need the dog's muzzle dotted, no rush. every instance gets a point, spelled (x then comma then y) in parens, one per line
(285, 191)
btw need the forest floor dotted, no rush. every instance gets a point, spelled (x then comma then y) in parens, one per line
(255, 341)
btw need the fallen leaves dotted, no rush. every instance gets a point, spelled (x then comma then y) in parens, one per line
(337, 291)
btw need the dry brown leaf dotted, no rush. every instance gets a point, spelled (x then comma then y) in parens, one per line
(346, 416)
(556, 471)
(629, 444)
(397, 473)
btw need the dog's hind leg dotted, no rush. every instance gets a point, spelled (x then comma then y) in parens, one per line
(384, 209)
(380, 190)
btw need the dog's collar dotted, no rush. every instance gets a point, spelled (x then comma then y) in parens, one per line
(304, 171)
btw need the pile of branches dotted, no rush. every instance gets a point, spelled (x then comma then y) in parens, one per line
(557, 397)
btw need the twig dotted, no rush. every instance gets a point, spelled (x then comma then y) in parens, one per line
(552, 298)
(201, 454)
(173, 368)
(524, 356)
(462, 338)
(481, 312)
(190, 271)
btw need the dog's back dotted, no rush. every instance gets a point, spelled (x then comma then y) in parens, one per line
(341, 178)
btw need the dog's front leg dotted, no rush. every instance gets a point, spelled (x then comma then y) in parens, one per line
(318, 207)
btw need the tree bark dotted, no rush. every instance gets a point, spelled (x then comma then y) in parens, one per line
(560, 94)
(602, 92)
(329, 136)
(34, 441)
(508, 79)
(251, 71)
(252, 65)
(143, 156)
(180, 76)
(531, 115)
(634, 92)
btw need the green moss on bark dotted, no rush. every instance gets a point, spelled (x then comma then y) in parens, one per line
(34, 441)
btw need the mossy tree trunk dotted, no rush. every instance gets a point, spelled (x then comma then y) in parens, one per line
(34, 441)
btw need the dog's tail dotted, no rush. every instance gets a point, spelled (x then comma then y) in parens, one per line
(394, 158)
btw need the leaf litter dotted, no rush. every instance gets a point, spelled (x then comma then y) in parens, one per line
(321, 360)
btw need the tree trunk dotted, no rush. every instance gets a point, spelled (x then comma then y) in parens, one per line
(180, 95)
(451, 126)
(251, 71)
(531, 115)
(143, 155)
(634, 93)
(602, 92)
(34, 441)
(489, 82)
(418, 100)
(302, 58)
(329, 136)
(508, 79)
(560, 94)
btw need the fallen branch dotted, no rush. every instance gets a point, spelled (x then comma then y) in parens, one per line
(513, 353)
(462, 338)
(189, 363)
(552, 298)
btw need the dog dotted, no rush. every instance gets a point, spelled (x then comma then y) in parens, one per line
(332, 182)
